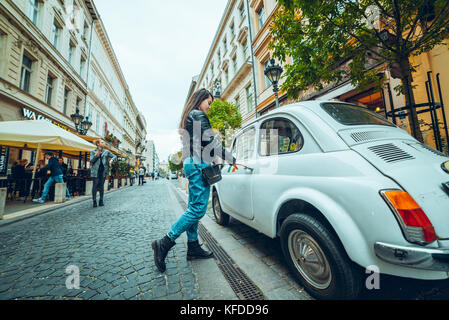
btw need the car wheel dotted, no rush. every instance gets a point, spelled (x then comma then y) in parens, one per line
(221, 217)
(317, 259)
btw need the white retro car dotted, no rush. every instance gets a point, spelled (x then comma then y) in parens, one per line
(343, 188)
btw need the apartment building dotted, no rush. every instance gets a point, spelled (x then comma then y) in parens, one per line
(55, 59)
(230, 62)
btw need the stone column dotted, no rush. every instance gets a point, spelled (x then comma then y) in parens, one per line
(115, 184)
(89, 185)
(3, 194)
(60, 189)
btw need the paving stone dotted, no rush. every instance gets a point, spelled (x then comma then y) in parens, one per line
(159, 292)
(88, 294)
(130, 293)
(174, 287)
(176, 296)
(146, 296)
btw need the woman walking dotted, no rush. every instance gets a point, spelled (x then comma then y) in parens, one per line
(195, 159)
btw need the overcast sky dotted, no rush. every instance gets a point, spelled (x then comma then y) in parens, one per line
(160, 46)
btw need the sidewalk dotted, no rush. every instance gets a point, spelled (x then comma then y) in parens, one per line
(17, 210)
(272, 279)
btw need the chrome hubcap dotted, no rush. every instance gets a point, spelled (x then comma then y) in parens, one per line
(309, 259)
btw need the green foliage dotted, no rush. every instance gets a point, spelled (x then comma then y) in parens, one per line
(224, 116)
(332, 40)
(120, 168)
(174, 163)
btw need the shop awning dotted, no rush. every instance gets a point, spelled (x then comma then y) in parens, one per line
(107, 146)
(40, 134)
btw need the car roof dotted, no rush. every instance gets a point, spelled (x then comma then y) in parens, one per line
(312, 105)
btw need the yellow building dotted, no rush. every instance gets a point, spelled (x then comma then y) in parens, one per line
(435, 62)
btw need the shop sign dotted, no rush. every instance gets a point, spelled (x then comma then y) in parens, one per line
(4, 156)
(33, 116)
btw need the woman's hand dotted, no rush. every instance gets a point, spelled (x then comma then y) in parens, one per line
(239, 164)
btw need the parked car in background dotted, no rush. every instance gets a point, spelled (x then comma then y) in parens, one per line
(344, 189)
(172, 175)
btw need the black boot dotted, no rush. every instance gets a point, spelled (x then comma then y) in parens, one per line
(161, 248)
(95, 203)
(194, 251)
(101, 204)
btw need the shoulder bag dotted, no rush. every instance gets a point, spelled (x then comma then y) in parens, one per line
(211, 174)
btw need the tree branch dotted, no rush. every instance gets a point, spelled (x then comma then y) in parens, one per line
(436, 24)
(375, 31)
(412, 30)
(359, 40)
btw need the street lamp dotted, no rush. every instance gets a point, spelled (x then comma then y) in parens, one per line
(217, 89)
(85, 126)
(81, 125)
(274, 72)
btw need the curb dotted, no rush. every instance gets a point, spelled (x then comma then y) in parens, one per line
(4, 223)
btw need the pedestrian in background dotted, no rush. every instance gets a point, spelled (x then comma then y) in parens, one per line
(100, 161)
(199, 191)
(141, 175)
(56, 176)
(64, 167)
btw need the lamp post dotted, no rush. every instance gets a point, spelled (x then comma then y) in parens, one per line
(274, 72)
(217, 89)
(81, 125)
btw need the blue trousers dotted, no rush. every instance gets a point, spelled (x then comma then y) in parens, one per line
(198, 199)
(57, 179)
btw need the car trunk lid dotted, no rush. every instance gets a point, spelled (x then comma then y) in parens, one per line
(417, 168)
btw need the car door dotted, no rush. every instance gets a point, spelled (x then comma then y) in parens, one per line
(235, 189)
(279, 145)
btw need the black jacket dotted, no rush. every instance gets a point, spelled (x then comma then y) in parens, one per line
(53, 166)
(202, 144)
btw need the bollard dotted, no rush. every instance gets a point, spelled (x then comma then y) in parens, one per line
(115, 183)
(60, 191)
(3, 194)
(127, 182)
(123, 182)
(89, 185)
(106, 183)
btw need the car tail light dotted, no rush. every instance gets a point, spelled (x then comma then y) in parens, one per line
(414, 222)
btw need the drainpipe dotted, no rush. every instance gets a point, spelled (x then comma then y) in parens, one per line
(252, 56)
(88, 66)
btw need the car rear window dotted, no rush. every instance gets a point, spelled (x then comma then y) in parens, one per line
(352, 115)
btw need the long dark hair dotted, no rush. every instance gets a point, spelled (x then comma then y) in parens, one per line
(194, 102)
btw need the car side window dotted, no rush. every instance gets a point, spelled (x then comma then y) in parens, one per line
(244, 145)
(279, 136)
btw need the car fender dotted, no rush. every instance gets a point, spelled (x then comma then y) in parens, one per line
(344, 226)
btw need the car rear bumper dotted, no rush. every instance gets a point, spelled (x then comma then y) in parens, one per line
(435, 259)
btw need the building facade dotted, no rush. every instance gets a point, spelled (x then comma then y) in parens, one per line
(151, 157)
(236, 81)
(55, 59)
(230, 61)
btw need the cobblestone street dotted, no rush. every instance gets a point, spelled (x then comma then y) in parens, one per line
(111, 246)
